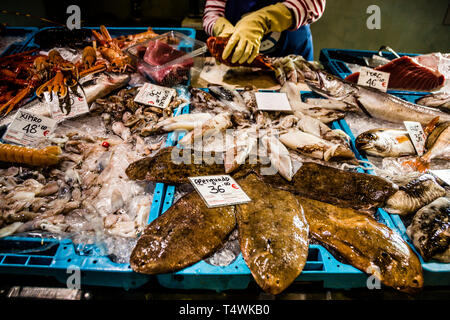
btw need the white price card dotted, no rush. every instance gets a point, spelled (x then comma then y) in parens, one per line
(417, 135)
(156, 96)
(219, 191)
(272, 101)
(27, 128)
(444, 175)
(72, 106)
(373, 78)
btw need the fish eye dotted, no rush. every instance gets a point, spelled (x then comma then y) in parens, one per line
(329, 78)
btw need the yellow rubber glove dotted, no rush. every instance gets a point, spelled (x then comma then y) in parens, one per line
(249, 31)
(222, 28)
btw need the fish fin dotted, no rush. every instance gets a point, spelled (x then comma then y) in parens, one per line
(418, 164)
(431, 126)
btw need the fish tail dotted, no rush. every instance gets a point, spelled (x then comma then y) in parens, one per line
(431, 126)
(418, 164)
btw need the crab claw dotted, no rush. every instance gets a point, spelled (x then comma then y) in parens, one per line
(15, 101)
(56, 84)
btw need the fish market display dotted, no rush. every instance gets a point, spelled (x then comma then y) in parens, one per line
(47, 156)
(185, 234)
(414, 193)
(430, 230)
(365, 243)
(273, 235)
(373, 102)
(408, 73)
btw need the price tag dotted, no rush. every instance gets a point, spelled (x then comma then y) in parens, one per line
(417, 135)
(373, 78)
(272, 101)
(219, 191)
(27, 128)
(156, 96)
(72, 106)
(444, 175)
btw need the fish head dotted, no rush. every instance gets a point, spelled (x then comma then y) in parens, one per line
(371, 141)
(330, 86)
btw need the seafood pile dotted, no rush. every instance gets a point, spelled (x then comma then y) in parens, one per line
(92, 179)
(319, 203)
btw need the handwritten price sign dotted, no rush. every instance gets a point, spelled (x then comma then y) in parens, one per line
(27, 128)
(373, 78)
(417, 135)
(219, 191)
(155, 96)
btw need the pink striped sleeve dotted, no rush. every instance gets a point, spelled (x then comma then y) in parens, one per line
(213, 10)
(305, 11)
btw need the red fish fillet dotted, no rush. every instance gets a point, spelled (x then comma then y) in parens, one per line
(407, 73)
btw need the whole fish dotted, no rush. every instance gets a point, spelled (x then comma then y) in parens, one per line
(173, 165)
(385, 143)
(438, 143)
(436, 100)
(374, 103)
(230, 97)
(366, 244)
(101, 84)
(430, 230)
(292, 91)
(360, 191)
(182, 122)
(185, 234)
(437, 146)
(310, 145)
(415, 191)
(273, 235)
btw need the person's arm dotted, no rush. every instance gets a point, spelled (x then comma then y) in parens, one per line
(288, 15)
(214, 9)
(305, 11)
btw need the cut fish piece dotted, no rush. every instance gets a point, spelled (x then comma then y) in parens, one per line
(408, 74)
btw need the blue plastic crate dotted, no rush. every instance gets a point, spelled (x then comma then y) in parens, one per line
(435, 273)
(340, 69)
(321, 266)
(17, 47)
(124, 31)
(52, 257)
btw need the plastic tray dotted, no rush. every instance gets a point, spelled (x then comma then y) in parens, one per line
(435, 273)
(122, 31)
(321, 266)
(51, 257)
(166, 74)
(16, 47)
(340, 69)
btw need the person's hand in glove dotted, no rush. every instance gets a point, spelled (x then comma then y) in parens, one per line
(222, 28)
(246, 38)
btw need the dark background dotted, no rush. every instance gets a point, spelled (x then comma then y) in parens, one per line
(418, 26)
